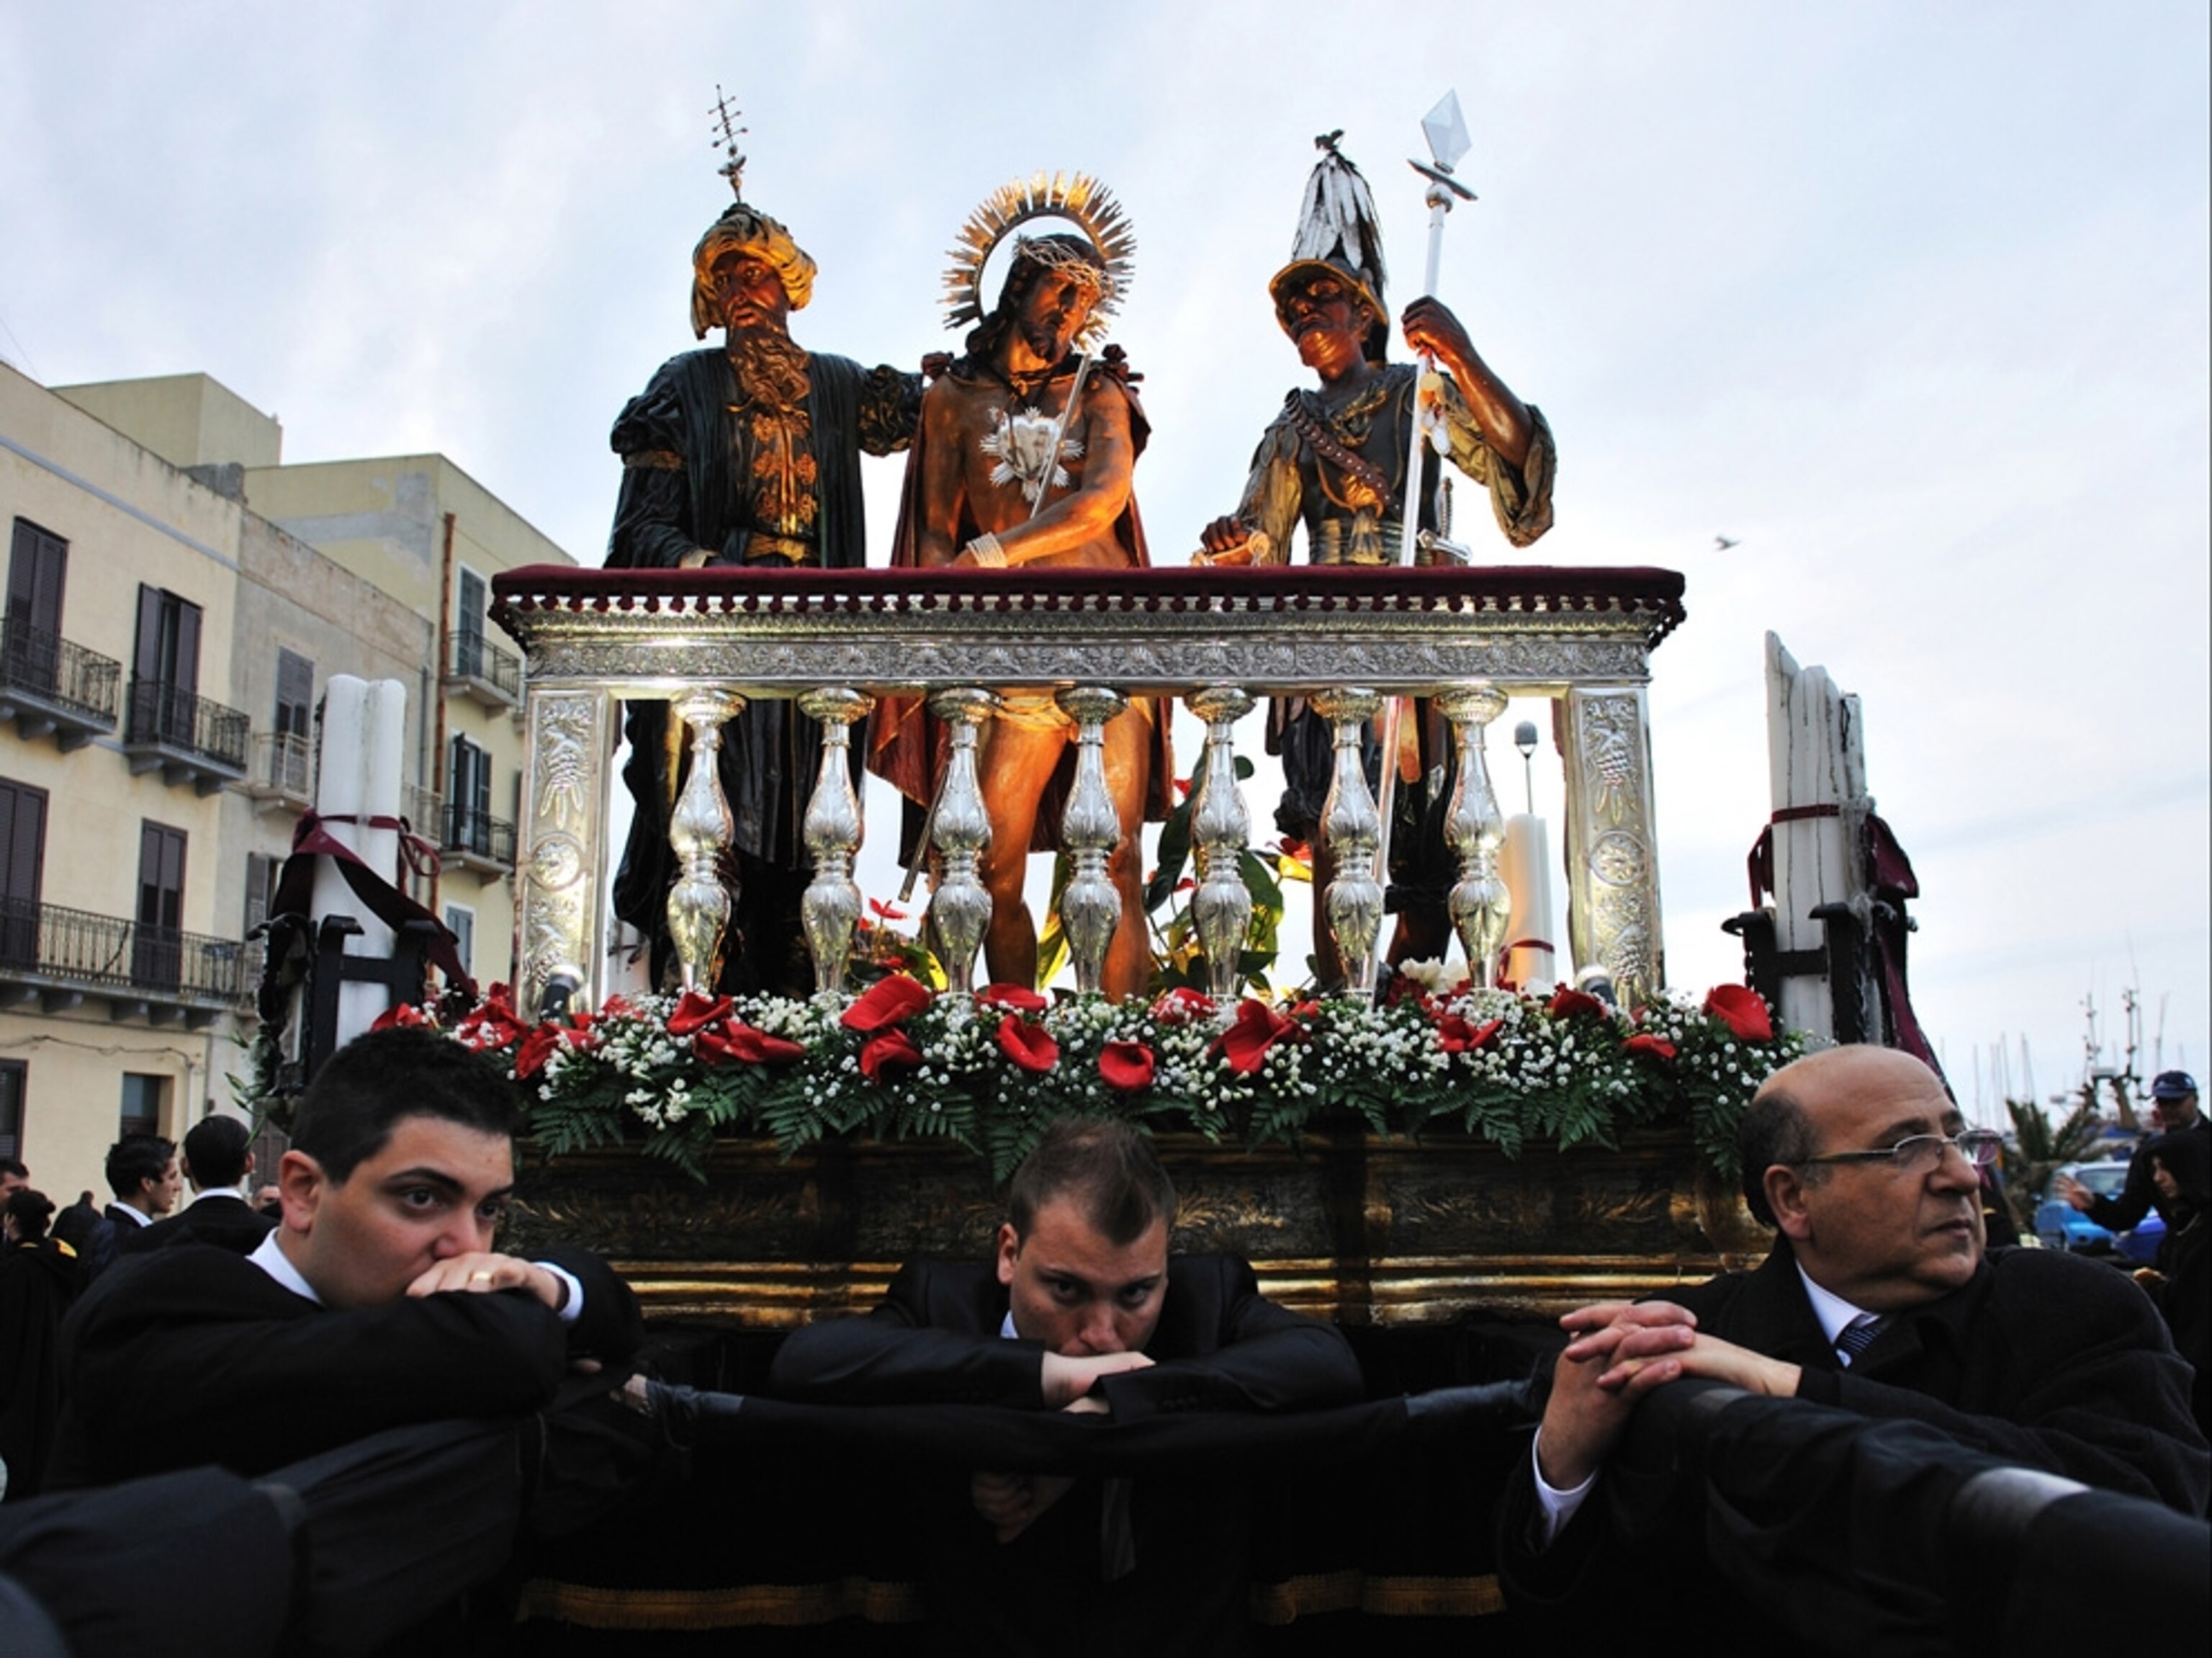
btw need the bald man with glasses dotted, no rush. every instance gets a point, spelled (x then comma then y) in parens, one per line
(1880, 1298)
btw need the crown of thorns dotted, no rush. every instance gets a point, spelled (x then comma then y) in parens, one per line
(1076, 198)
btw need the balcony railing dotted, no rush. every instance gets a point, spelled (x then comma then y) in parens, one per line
(478, 841)
(283, 768)
(190, 738)
(484, 673)
(1222, 640)
(62, 955)
(52, 686)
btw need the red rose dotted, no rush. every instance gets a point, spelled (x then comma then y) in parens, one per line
(1029, 1046)
(491, 1026)
(1182, 1005)
(399, 1018)
(721, 1043)
(1244, 1047)
(1126, 1066)
(1644, 1042)
(1566, 1003)
(1011, 995)
(537, 1048)
(888, 1055)
(890, 1000)
(697, 1011)
(1742, 1011)
(614, 1007)
(1455, 1035)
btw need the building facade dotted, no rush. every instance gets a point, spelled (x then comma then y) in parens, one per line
(178, 601)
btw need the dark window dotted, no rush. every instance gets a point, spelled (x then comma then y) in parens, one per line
(157, 945)
(469, 627)
(22, 862)
(142, 1103)
(164, 673)
(295, 694)
(261, 871)
(462, 923)
(469, 788)
(38, 565)
(14, 1078)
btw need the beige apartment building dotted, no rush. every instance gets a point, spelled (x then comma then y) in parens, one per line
(178, 601)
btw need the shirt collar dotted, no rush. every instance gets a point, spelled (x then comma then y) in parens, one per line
(1834, 1312)
(270, 1257)
(138, 1217)
(215, 1191)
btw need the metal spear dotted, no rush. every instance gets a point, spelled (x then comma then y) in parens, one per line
(1445, 129)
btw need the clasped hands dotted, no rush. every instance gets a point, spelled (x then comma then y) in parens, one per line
(1619, 1352)
(1009, 1502)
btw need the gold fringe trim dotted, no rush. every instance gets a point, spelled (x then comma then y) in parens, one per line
(797, 1604)
(781, 1604)
(1378, 1597)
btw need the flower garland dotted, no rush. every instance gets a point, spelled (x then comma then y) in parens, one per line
(990, 1070)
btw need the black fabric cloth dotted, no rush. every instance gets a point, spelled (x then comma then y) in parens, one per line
(685, 487)
(197, 1562)
(1219, 1347)
(1848, 1536)
(37, 1283)
(2042, 1359)
(194, 1355)
(227, 1221)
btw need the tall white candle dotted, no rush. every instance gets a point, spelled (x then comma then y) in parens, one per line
(1525, 865)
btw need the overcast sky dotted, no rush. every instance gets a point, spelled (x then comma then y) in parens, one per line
(1912, 301)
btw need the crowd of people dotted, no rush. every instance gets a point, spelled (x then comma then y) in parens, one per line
(1099, 1397)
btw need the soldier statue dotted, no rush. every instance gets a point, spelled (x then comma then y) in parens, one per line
(1335, 460)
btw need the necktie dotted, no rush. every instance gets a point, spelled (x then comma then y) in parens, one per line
(1854, 1337)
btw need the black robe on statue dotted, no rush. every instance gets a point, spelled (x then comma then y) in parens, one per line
(687, 464)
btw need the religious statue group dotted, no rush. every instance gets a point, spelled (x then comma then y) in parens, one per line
(1022, 451)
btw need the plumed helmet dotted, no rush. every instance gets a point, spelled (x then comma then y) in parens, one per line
(1338, 233)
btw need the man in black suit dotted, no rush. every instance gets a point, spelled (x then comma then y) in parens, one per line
(377, 1302)
(218, 1156)
(1879, 1298)
(142, 1171)
(1082, 1310)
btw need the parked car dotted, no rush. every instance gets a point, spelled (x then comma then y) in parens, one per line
(2060, 1225)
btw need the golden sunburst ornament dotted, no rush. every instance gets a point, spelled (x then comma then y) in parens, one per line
(1076, 198)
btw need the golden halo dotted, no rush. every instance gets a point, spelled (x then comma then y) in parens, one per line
(1078, 199)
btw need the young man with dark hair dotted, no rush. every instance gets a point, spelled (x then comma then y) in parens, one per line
(143, 1173)
(14, 1175)
(379, 1301)
(1082, 1309)
(217, 1158)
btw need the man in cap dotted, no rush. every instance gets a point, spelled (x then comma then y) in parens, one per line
(744, 455)
(1335, 460)
(986, 490)
(2173, 1099)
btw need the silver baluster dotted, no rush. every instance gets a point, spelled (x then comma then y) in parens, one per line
(1353, 902)
(960, 907)
(1090, 904)
(1220, 829)
(831, 909)
(698, 829)
(1475, 829)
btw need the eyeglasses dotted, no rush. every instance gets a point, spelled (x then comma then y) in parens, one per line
(1916, 1154)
